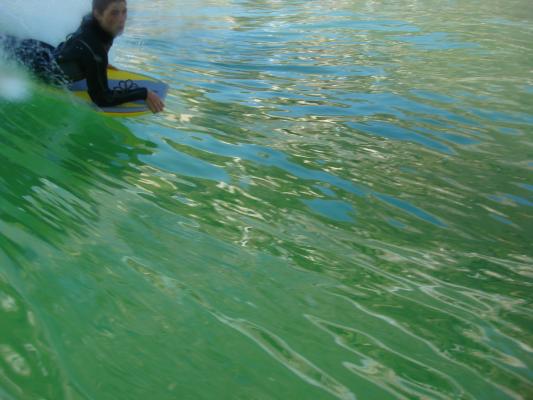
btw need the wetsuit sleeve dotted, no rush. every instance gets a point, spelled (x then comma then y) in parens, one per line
(97, 84)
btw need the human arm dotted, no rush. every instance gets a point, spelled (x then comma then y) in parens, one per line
(95, 66)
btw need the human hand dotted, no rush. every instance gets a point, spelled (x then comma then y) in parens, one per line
(154, 102)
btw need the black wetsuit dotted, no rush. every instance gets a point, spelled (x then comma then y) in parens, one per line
(82, 56)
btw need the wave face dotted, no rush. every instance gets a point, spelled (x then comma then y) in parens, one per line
(336, 204)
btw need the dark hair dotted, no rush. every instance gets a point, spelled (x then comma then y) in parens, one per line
(101, 5)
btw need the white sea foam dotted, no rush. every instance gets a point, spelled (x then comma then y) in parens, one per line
(46, 20)
(14, 85)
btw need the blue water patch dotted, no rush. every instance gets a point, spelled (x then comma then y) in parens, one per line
(396, 132)
(285, 69)
(526, 186)
(501, 219)
(528, 89)
(448, 137)
(433, 96)
(305, 173)
(509, 131)
(374, 25)
(409, 208)
(263, 156)
(389, 103)
(325, 190)
(170, 159)
(520, 200)
(337, 210)
(457, 139)
(395, 223)
(514, 198)
(494, 116)
(435, 41)
(408, 170)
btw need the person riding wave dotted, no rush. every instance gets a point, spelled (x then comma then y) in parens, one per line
(83, 55)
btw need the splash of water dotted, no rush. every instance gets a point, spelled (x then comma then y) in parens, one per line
(14, 86)
(14, 83)
(48, 20)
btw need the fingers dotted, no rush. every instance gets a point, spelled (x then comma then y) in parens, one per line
(160, 105)
(151, 104)
(155, 104)
(157, 107)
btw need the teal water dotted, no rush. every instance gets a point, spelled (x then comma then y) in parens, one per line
(336, 204)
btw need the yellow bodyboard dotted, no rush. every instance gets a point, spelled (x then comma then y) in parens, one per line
(123, 80)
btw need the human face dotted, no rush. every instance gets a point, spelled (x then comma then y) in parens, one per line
(113, 19)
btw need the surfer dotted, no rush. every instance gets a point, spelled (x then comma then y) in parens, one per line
(84, 55)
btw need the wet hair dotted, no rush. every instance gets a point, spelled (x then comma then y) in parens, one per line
(101, 5)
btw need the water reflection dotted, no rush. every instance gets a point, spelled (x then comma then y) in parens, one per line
(50, 175)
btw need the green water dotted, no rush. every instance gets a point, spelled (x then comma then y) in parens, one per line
(336, 204)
